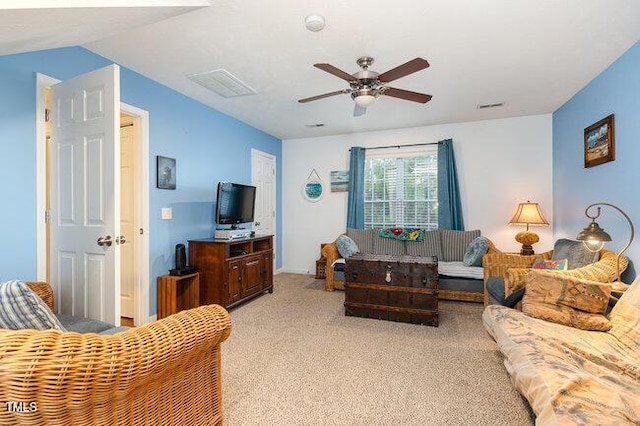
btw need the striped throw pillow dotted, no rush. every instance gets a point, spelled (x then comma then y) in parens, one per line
(455, 243)
(363, 238)
(21, 308)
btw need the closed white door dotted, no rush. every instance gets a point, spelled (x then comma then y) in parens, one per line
(263, 177)
(85, 197)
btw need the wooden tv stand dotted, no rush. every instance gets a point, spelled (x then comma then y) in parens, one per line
(232, 272)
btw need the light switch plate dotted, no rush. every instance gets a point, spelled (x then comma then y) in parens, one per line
(166, 213)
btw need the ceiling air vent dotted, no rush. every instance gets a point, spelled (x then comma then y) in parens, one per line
(485, 106)
(223, 83)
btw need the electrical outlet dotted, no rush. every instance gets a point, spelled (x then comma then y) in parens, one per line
(166, 213)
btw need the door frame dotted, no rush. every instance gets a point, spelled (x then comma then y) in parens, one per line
(141, 256)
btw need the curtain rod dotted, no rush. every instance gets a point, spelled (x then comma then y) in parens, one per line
(402, 146)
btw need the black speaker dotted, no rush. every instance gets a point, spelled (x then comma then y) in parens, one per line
(181, 262)
(181, 256)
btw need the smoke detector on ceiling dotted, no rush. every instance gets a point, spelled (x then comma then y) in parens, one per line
(314, 23)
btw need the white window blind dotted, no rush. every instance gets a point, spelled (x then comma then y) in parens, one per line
(401, 188)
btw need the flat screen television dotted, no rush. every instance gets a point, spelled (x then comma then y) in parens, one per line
(235, 203)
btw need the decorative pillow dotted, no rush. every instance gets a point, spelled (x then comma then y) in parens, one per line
(387, 246)
(567, 300)
(474, 252)
(363, 238)
(346, 246)
(575, 252)
(408, 234)
(21, 308)
(553, 265)
(429, 246)
(455, 243)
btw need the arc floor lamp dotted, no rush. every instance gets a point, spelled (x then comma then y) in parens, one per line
(594, 237)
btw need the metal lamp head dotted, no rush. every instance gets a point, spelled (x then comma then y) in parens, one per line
(593, 236)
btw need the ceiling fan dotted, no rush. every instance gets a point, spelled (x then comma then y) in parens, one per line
(367, 85)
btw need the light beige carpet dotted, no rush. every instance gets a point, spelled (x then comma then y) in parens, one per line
(294, 358)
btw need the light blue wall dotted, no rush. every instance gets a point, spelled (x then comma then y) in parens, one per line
(208, 147)
(616, 90)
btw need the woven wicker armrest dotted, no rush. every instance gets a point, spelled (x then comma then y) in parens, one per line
(496, 264)
(44, 291)
(514, 278)
(166, 372)
(331, 254)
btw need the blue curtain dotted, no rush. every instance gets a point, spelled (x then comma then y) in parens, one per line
(355, 201)
(449, 205)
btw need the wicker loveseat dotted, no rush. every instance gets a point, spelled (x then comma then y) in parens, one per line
(165, 372)
(456, 281)
(514, 268)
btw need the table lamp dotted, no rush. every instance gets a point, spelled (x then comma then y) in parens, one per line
(528, 214)
(594, 237)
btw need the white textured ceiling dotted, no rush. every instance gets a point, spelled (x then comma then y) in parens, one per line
(531, 54)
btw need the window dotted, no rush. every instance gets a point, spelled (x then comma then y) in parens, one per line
(401, 189)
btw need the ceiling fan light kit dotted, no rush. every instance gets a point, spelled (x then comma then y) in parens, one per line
(364, 97)
(365, 86)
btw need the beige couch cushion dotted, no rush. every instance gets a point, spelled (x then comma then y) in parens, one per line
(567, 300)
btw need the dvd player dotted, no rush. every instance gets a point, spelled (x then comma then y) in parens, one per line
(232, 234)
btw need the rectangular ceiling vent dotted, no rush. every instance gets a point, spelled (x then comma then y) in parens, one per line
(485, 106)
(223, 83)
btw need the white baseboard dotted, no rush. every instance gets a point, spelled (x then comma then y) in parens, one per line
(153, 318)
(294, 271)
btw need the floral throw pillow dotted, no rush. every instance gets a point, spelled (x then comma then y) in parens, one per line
(552, 265)
(567, 300)
(408, 234)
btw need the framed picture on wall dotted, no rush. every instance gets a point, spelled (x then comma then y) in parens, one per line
(599, 143)
(166, 172)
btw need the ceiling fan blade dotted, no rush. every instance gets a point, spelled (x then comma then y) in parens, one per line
(410, 67)
(325, 95)
(407, 95)
(359, 110)
(336, 71)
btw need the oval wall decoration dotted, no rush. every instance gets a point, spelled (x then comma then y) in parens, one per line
(313, 189)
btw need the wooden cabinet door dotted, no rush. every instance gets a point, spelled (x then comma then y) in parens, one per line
(266, 269)
(253, 279)
(235, 281)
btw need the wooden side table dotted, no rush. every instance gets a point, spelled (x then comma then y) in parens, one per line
(321, 265)
(177, 293)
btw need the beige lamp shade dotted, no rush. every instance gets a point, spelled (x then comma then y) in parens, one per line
(528, 214)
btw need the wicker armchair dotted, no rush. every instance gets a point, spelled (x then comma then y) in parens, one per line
(166, 372)
(514, 268)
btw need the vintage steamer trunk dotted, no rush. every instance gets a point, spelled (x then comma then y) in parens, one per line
(395, 288)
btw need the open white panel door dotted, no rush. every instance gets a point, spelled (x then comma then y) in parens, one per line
(85, 198)
(263, 177)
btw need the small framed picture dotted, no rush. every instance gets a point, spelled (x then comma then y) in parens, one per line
(166, 172)
(599, 143)
(339, 181)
